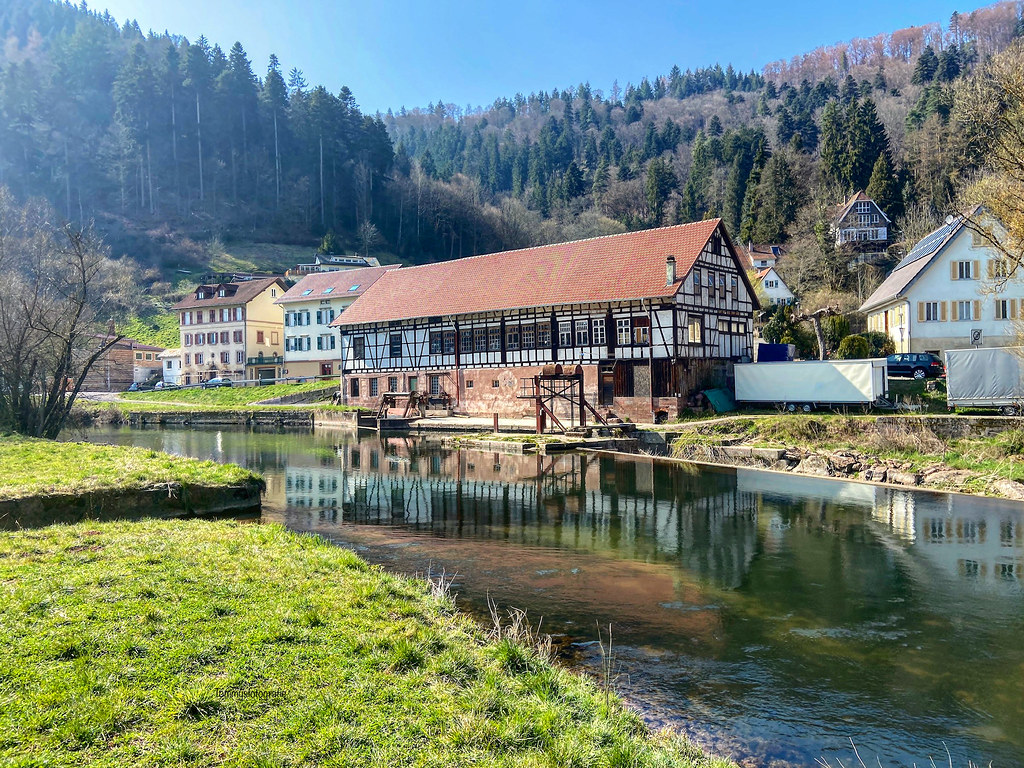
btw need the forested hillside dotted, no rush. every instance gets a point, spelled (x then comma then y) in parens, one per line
(172, 145)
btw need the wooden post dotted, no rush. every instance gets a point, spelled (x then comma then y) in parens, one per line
(583, 410)
(495, 423)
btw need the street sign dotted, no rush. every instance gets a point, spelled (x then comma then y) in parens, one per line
(976, 337)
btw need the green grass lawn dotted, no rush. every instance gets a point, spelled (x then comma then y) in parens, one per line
(227, 396)
(159, 329)
(30, 467)
(217, 643)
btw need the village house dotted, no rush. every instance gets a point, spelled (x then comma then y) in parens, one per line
(950, 291)
(232, 330)
(862, 228)
(651, 317)
(310, 306)
(170, 359)
(322, 263)
(763, 256)
(775, 287)
(127, 362)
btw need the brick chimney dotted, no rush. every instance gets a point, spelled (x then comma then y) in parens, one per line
(670, 270)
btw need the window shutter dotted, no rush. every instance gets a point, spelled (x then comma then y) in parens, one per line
(942, 310)
(952, 271)
(976, 269)
(1013, 309)
(956, 310)
(920, 311)
(319, 342)
(991, 265)
(319, 317)
(977, 310)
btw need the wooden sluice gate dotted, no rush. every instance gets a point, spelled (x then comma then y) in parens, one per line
(554, 387)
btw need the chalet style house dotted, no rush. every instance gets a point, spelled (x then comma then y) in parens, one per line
(951, 291)
(310, 306)
(652, 317)
(763, 256)
(232, 330)
(862, 227)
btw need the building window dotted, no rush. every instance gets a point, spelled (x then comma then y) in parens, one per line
(528, 337)
(225, 358)
(449, 342)
(963, 270)
(543, 335)
(696, 280)
(199, 358)
(239, 357)
(964, 309)
(623, 332)
(695, 330)
(260, 337)
(1000, 269)
(435, 385)
(224, 336)
(188, 339)
(582, 333)
(435, 342)
(358, 347)
(237, 337)
(395, 345)
(512, 337)
(469, 384)
(169, 366)
(373, 387)
(188, 359)
(641, 330)
(863, 207)
(599, 337)
(495, 383)
(739, 327)
(723, 325)
(465, 342)
(392, 383)
(931, 311)
(480, 340)
(494, 339)
(353, 387)
(274, 338)
(1005, 309)
(565, 334)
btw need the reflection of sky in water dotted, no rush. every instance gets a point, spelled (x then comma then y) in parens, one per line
(768, 615)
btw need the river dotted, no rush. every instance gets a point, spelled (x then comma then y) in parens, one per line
(771, 617)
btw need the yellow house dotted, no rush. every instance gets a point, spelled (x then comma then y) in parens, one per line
(232, 330)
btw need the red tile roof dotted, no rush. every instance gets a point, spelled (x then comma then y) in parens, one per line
(601, 269)
(339, 284)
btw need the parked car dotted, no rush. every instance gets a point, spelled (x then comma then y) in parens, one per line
(165, 385)
(915, 365)
(136, 387)
(217, 381)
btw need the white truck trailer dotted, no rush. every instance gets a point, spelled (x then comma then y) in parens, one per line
(804, 386)
(990, 377)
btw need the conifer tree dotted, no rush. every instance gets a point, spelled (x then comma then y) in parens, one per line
(884, 188)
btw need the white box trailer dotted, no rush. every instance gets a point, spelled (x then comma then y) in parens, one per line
(806, 385)
(989, 377)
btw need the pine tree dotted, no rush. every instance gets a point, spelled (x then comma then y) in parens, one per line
(661, 181)
(884, 188)
(776, 201)
(926, 67)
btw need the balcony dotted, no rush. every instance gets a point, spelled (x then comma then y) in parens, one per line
(265, 360)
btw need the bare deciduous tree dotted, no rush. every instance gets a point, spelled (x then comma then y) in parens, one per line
(54, 296)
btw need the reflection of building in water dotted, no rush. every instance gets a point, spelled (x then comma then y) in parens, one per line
(969, 538)
(637, 508)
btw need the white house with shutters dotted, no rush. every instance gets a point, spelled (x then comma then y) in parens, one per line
(951, 291)
(310, 306)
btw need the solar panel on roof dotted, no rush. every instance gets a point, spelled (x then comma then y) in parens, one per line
(928, 245)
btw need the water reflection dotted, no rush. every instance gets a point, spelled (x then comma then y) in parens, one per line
(771, 616)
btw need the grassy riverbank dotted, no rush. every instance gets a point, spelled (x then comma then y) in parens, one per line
(226, 396)
(976, 464)
(30, 467)
(205, 643)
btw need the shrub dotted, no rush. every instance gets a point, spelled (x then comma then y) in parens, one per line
(853, 348)
(881, 343)
(835, 328)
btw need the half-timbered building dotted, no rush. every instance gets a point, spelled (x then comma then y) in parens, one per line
(652, 317)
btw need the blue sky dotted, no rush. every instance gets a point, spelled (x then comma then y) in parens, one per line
(394, 53)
